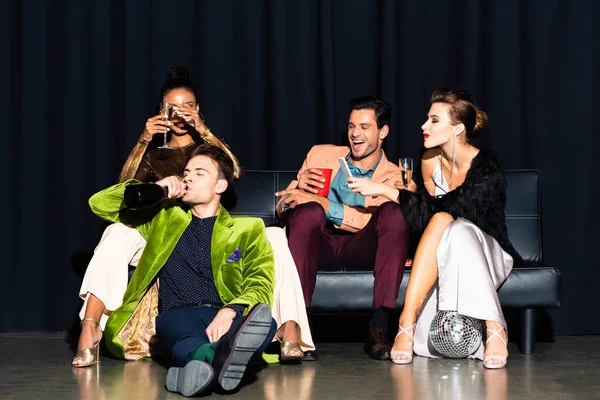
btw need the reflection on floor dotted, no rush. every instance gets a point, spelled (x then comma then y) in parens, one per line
(37, 366)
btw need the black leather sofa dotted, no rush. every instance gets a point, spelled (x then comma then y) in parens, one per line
(528, 288)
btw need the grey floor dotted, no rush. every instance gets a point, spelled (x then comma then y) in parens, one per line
(37, 367)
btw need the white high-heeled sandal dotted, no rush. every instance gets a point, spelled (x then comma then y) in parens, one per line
(495, 357)
(407, 354)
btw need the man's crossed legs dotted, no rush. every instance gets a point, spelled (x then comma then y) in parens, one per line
(382, 245)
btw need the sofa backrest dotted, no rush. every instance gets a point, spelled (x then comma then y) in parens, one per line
(523, 213)
(254, 195)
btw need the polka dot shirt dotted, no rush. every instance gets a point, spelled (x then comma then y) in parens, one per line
(187, 278)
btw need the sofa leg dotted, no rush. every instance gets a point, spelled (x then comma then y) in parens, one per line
(527, 342)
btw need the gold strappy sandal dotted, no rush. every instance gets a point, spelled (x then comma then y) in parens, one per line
(286, 347)
(90, 355)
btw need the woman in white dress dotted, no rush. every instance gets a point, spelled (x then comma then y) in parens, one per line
(464, 254)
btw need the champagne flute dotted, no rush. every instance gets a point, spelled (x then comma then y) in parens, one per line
(166, 109)
(406, 167)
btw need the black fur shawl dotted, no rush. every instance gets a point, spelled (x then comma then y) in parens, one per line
(480, 199)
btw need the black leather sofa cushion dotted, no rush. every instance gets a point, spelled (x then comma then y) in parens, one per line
(536, 287)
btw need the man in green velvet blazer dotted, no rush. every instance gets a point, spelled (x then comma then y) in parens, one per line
(201, 272)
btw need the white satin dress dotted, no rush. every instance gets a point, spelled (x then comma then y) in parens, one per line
(471, 268)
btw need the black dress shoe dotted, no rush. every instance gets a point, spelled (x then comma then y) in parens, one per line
(311, 355)
(191, 379)
(235, 349)
(377, 345)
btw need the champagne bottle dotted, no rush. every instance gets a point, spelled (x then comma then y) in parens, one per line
(144, 195)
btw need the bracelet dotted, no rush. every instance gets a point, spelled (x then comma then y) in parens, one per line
(141, 140)
(207, 131)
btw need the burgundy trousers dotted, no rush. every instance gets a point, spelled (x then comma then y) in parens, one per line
(381, 246)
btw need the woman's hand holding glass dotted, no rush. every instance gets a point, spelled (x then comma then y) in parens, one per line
(155, 125)
(191, 116)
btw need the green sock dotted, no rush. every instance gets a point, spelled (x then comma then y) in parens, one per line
(206, 352)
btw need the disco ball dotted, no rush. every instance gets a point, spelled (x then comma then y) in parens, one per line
(454, 335)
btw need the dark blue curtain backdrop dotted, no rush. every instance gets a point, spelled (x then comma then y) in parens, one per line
(78, 79)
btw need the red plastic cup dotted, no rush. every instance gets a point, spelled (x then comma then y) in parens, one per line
(326, 174)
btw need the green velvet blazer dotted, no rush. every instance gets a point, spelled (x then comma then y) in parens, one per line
(242, 259)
